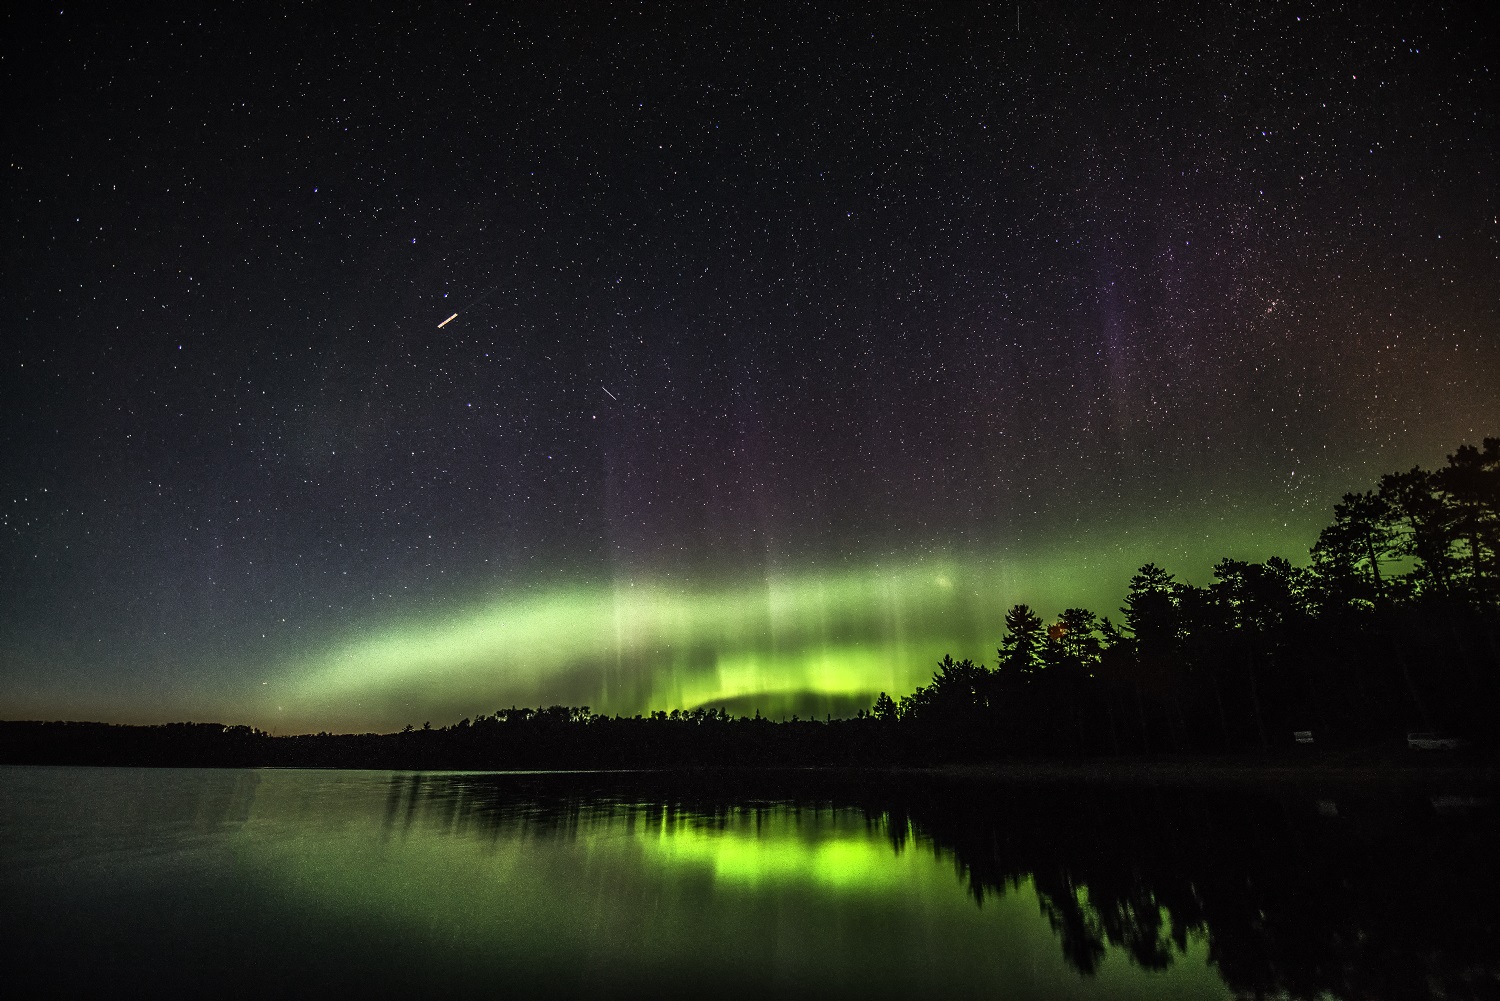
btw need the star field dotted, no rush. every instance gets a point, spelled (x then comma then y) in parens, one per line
(896, 315)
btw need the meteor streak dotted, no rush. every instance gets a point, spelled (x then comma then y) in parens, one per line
(607, 393)
(471, 305)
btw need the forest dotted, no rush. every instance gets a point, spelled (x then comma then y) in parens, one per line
(1392, 626)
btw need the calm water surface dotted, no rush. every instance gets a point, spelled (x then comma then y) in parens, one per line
(248, 882)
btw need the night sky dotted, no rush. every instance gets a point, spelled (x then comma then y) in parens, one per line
(791, 348)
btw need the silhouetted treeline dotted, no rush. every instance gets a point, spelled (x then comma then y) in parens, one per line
(205, 745)
(555, 737)
(1394, 626)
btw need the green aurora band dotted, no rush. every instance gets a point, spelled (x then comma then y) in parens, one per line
(786, 645)
(809, 643)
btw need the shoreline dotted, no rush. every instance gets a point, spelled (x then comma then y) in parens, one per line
(1226, 772)
(1158, 773)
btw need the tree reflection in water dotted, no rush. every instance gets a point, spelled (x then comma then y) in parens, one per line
(1365, 893)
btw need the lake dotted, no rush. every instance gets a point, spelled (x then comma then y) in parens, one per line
(836, 885)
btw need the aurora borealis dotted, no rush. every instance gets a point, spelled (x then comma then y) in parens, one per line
(812, 643)
(792, 348)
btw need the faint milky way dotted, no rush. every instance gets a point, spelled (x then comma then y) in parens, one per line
(909, 314)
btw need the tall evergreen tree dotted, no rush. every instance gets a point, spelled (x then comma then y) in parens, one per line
(1426, 528)
(1470, 487)
(1349, 553)
(1020, 653)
